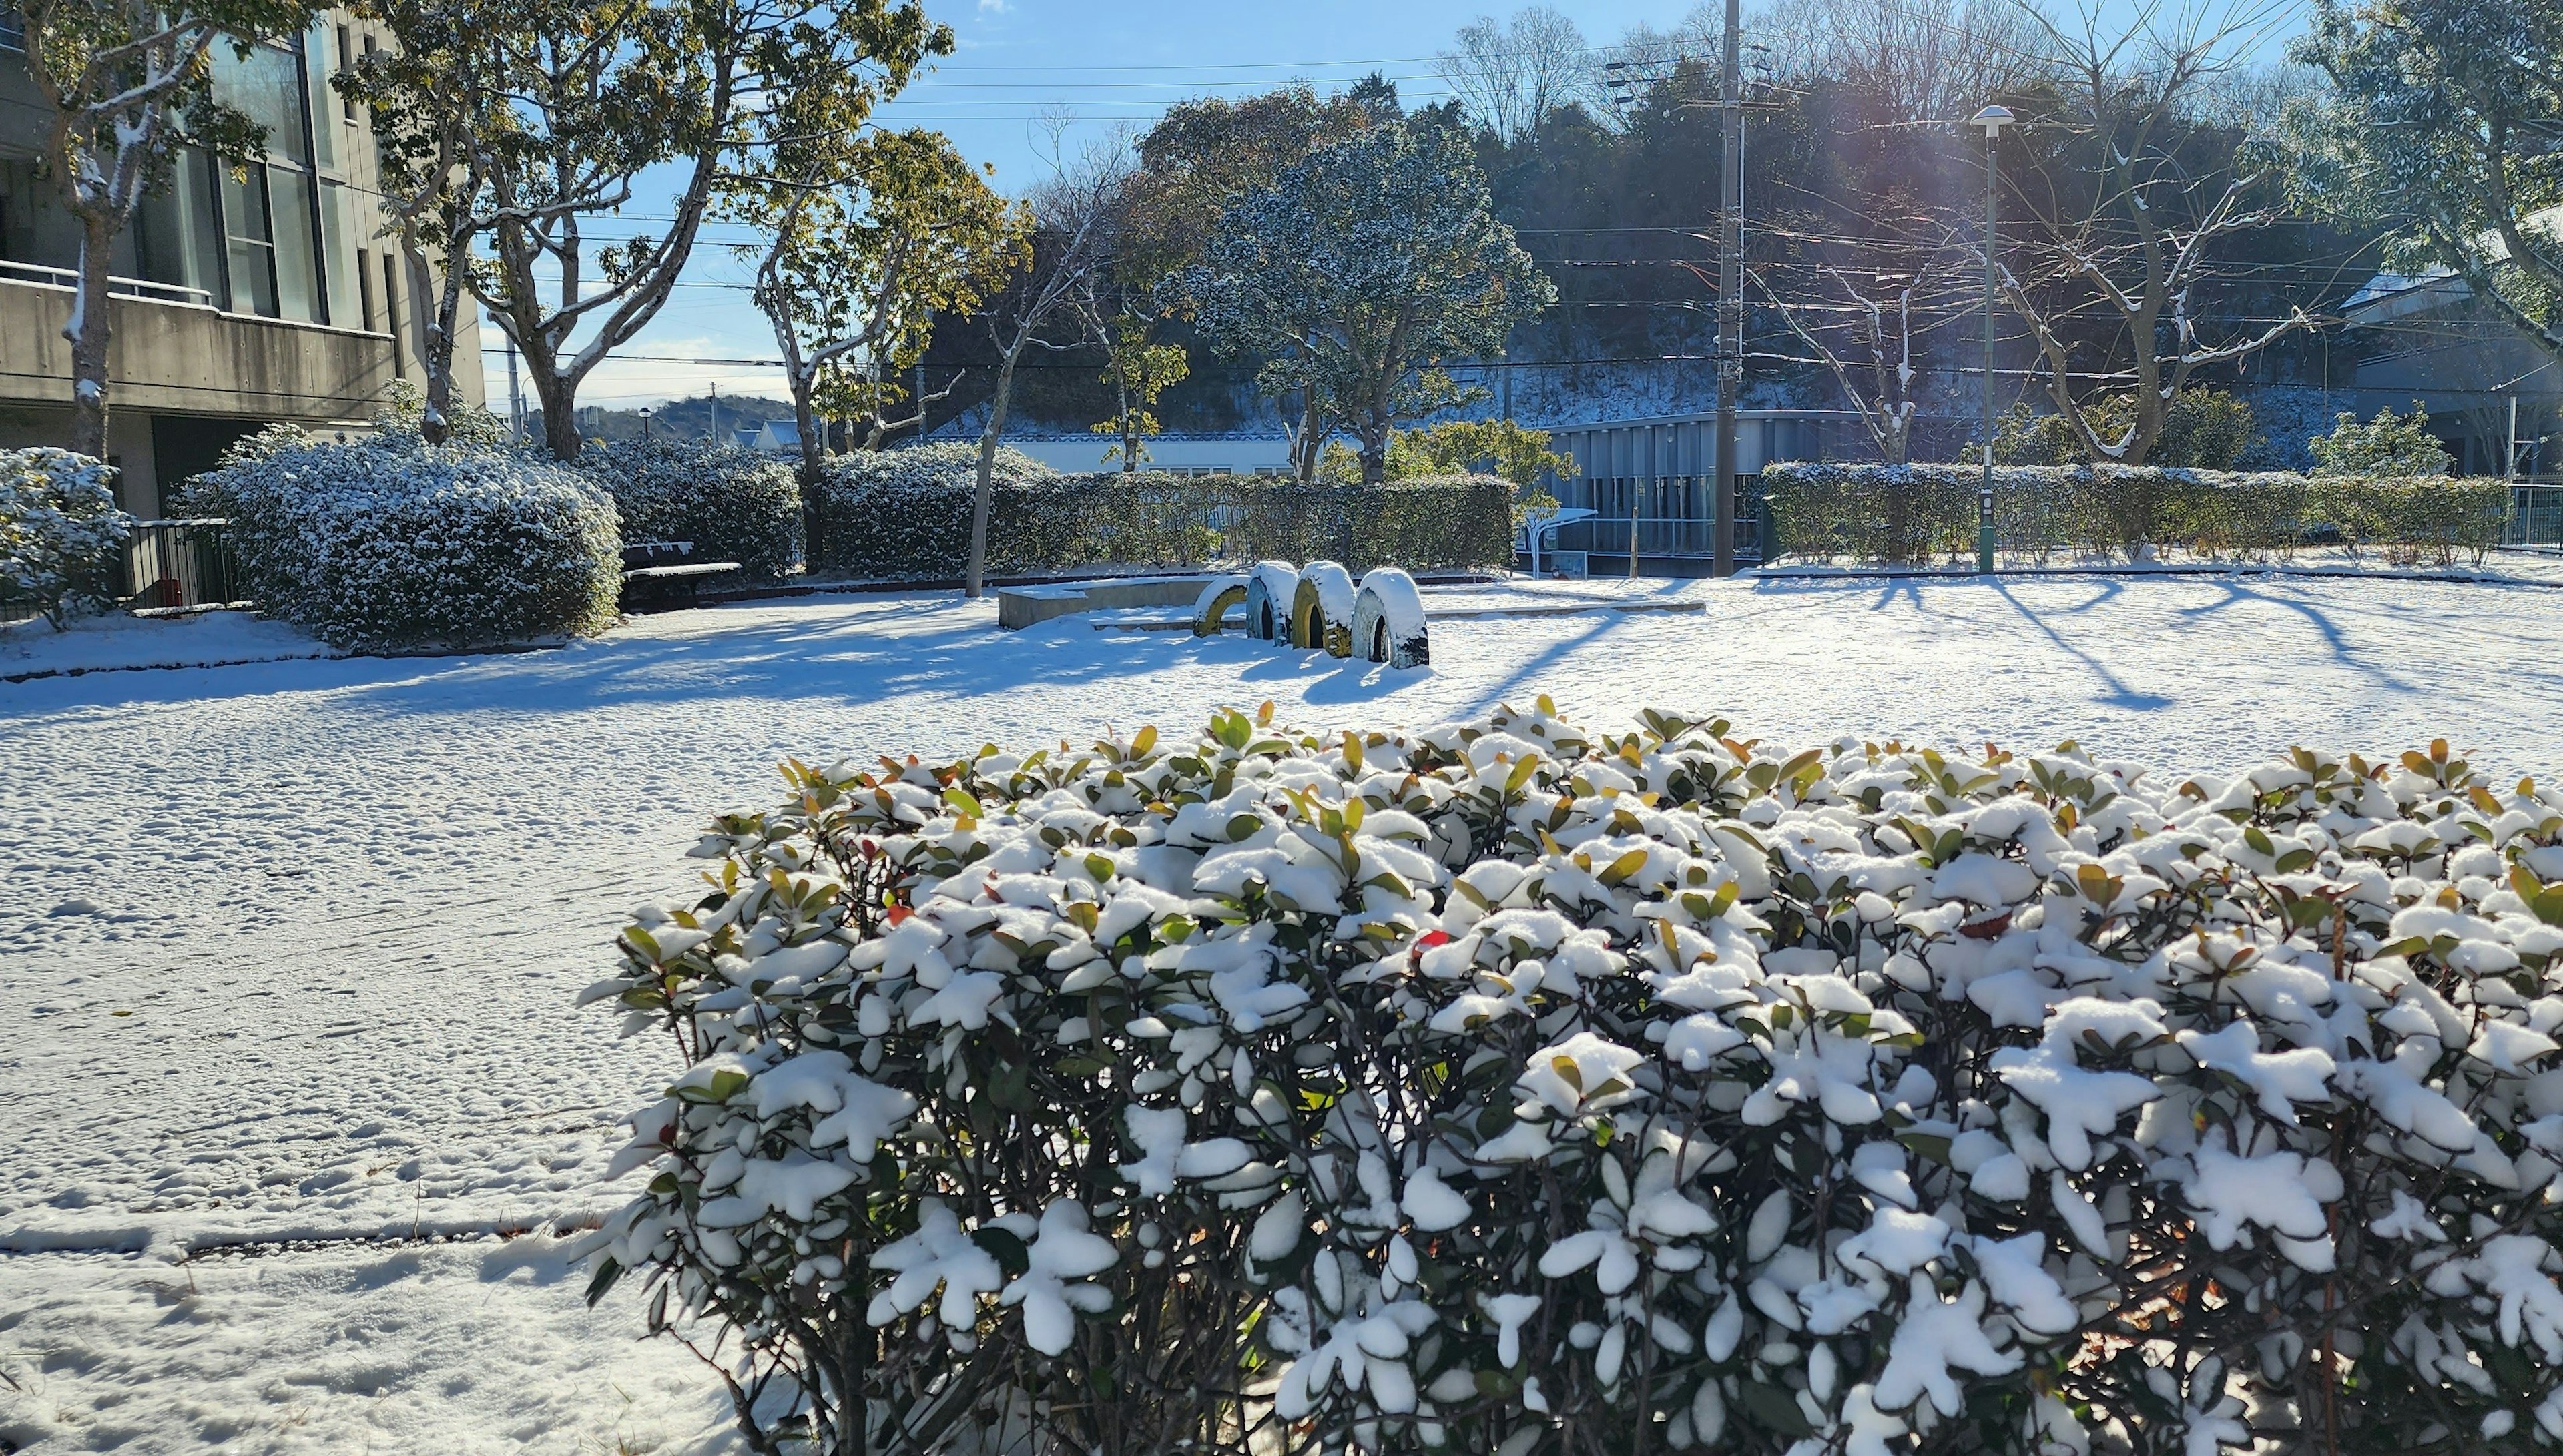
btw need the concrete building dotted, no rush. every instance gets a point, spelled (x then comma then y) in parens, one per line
(2429, 340)
(243, 299)
(1178, 454)
(1649, 484)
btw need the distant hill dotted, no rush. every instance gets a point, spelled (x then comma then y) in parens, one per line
(686, 419)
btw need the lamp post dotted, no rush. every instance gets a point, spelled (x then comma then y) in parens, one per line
(645, 426)
(1991, 119)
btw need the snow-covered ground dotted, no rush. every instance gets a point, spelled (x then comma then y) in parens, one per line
(293, 945)
(100, 643)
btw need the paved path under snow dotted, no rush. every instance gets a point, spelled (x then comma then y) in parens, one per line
(291, 948)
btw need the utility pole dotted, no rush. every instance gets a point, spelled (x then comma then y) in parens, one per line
(515, 397)
(1730, 297)
(716, 431)
(1991, 118)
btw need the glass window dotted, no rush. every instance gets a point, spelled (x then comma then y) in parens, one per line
(176, 237)
(251, 239)
(297, 274)
(342, 261)
(13, 31)
(320, 44)
(266, 86)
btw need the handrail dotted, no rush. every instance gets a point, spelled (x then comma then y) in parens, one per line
(143, 288)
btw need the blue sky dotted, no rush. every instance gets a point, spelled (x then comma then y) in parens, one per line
(1106, 65)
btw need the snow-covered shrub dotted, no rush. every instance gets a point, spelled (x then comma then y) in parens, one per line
(906, 515)
(732, 504)
(1512, 1086)
(388, 542)
(1905, 513)
(60, 532)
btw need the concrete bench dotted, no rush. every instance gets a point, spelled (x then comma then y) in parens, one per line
(1021, 606)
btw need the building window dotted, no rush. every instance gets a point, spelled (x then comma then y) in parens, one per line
(13, 31)
(391, 304)
(346, 62)
(249, 237)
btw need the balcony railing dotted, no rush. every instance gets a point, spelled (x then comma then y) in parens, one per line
(144, 288)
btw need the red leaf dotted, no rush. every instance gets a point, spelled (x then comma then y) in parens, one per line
(1986, 928)
(898, 914)
(1432, 938)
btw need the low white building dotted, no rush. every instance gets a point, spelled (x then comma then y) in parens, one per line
(1179, 455)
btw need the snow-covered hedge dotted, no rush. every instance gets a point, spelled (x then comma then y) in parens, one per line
(1912, 513)
(895, 514)
(733, 504)
(60, 532)
(906, 515)
(389, 543)
(1512, 1086)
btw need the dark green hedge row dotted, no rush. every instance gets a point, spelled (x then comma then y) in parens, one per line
(1914, 513)
(913, 524)
(733, 504)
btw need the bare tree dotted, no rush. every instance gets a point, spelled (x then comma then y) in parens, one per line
(1511, 77)
(1866, 326)
(1919, 59)
(2140, 244)
(1073, 237)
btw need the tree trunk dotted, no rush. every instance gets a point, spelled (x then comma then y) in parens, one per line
(559, 399)
(435, 344)
(976, 579)
(814, 440)
(1374, 459)
(88, 332)
(1310, 447)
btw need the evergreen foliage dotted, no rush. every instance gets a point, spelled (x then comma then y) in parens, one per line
(391, 542)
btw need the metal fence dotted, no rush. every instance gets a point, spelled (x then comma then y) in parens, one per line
(178, 564)
(168, 566)
(1665, 515)
(2535, 516)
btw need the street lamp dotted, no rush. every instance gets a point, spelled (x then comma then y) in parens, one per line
(1993, 120)
(645, 417)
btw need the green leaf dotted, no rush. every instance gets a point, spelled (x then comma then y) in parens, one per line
(607, 1272)
(964, 801)
(1008, 1250)
(1773, 1406)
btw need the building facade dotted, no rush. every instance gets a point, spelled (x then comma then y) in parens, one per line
(244, 295)
(1651, 484)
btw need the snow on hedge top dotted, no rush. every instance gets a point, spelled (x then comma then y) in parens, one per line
(1507, 1076)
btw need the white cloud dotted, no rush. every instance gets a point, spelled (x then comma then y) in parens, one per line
(995, 7)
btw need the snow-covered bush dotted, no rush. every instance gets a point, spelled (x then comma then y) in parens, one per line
(906, 515)
(1512, 1086)
(1906, 513)
(60, 532)
(388, 542)
(733, 504)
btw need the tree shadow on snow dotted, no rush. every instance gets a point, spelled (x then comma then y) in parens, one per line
(2116, 693)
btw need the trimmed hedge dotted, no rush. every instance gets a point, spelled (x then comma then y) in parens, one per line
(733, 504)
(390, 543)
(1904, 514)
(905, 515)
